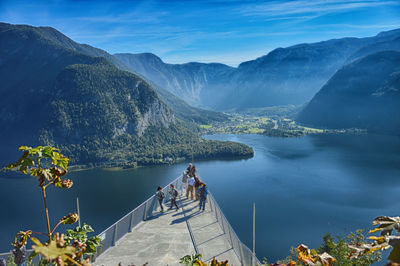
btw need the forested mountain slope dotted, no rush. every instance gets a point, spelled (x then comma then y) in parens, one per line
(363, 94)
(52, 93)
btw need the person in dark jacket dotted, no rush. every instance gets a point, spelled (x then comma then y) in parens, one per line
(193, 171)
(203, 196)
(197, 183)
(174, 194)
(160, 196)
(189, 170)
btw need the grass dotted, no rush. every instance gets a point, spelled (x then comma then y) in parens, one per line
(206, 126)
(250, 124)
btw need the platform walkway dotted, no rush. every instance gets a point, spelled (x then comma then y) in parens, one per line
(166, 237)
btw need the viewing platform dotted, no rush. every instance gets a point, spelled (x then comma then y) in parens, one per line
(145, 235)
(165, 238)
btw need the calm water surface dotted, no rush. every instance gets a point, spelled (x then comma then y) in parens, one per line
(302, 187)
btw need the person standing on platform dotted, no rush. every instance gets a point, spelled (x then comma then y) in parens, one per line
(196, 182)
(174, 194)
(185, 178)
(203, 196)
(160, 196)
(190, 188)
(190, 169)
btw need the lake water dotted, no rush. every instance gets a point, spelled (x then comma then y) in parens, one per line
(302, 187)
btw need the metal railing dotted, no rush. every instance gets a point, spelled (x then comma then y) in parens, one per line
(244, 254)
(10, 257)
(116, 231)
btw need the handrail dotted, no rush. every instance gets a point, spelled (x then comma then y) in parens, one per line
(143, 203)
(147, 206)
(239, 253)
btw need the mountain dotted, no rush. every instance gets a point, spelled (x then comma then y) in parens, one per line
(288, 75)
(186, 81)
(386, 41)
(57, 92)
(186, 112)
(362, 94)
(284, 76)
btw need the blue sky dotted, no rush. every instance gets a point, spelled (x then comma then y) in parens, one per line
(226, 31)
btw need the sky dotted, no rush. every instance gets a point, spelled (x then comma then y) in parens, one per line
(224, 31)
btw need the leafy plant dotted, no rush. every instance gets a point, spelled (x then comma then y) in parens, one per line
(188, 260)
(333, 251)
(49, 166)
(194, 260)
(78, 235)
(385, 225)
(339, 248)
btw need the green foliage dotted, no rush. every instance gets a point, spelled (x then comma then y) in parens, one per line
(189, 260)
(156, 146)
(339, 248)
(10, 262)
(195, 260)
(33, 159)
(81, 234)
(386, 225)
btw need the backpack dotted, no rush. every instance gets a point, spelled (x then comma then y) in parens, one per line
(175, 193)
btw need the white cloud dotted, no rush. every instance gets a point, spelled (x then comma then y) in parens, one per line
(276, 9)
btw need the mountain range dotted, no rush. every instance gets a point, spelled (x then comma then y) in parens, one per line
(80, 99)
(134, 108)
(348, 81)
(284, 76)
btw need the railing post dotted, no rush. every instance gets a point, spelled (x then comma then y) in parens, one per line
(216, 210)
(114, 240)
(209, 204)
(230, 235)
(145, 211)
(222, 222)
(241, 252)
(131, 223)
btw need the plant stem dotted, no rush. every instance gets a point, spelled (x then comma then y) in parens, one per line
(55, 227)
(46, 212)
(72, 260)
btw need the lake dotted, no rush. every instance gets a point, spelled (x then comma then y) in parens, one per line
(302, 187)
